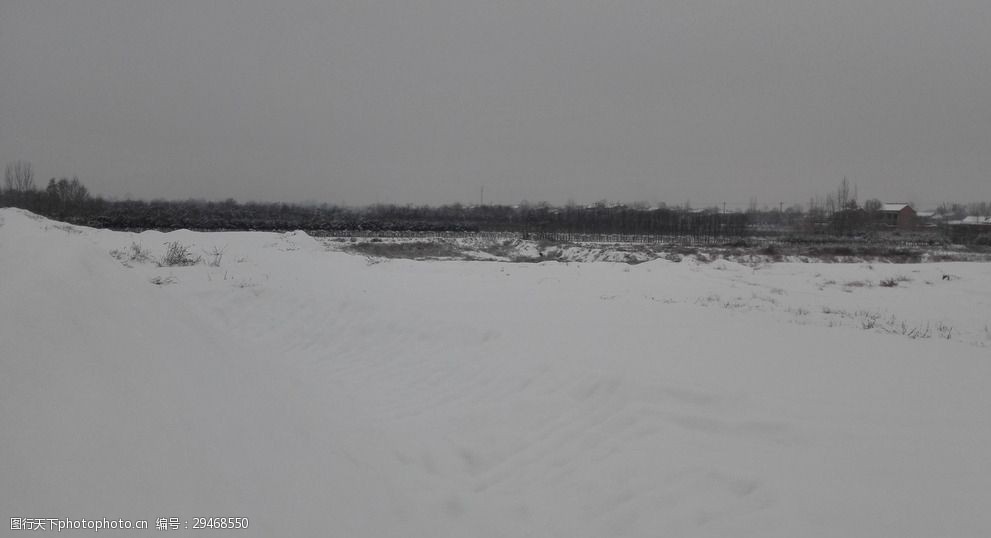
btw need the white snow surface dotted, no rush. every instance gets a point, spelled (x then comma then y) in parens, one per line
(319, 393)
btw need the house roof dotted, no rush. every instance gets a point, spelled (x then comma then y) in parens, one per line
(893, 207)
(976, 220)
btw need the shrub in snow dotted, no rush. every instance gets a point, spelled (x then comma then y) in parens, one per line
(944, 330)
(177, 254)
(215, 256)
(134, 253)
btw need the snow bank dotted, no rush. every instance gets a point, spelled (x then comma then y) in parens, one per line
(320, 394)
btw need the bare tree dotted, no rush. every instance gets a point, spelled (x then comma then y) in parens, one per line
(843, 194)
(19, 177)
(66, 195)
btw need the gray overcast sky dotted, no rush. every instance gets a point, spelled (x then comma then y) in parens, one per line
(425, 101)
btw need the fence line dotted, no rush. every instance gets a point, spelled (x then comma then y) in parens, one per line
(548, 236)
(687, 240)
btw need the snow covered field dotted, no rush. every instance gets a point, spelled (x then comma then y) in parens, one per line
(319, 393)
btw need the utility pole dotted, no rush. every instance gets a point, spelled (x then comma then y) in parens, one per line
(481, 197)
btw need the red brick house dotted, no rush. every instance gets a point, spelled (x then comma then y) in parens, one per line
(897, 215)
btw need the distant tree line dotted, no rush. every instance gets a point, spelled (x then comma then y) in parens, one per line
(69, 200)
(62, 198)
(838, 213)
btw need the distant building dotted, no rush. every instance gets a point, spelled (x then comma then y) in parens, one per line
(975, 220)
(927, 219)
(970, 229)
(897, 215)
